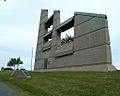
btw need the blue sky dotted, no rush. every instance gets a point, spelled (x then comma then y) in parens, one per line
(19, 20)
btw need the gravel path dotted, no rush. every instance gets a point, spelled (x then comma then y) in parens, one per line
(6, 91)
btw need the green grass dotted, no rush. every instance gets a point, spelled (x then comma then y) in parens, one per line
(65, 83)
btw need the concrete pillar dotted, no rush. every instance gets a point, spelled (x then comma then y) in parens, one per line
(43, 18)
(41, 31)
(56, 40)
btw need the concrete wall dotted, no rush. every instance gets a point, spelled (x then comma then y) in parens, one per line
(91, 42)
(90, 50)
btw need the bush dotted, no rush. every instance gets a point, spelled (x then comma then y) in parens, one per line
(8, 69)
(67, 39)
(22, 69)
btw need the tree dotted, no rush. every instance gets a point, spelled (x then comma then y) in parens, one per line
(19, 62)
(67, 39)
(14, 61)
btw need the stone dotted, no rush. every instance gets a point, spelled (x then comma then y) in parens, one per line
(20, 74)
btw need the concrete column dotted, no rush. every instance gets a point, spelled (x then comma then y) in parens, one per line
(41, 31)
(56, 40)
(43, 18)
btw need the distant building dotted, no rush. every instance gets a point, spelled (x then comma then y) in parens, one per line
(89, 51)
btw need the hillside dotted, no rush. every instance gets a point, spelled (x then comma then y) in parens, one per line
(65, 83)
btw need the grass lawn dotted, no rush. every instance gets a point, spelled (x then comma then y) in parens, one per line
(65, 83)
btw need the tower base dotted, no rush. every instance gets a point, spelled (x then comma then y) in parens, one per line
(100, 67)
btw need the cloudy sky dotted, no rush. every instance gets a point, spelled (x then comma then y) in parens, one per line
(19, 20)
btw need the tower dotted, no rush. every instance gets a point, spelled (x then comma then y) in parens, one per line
(89, 51)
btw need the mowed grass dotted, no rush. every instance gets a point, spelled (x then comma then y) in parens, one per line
(65, 83)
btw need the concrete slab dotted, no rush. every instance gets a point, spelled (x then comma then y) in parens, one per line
(90, 26)
(97, 38)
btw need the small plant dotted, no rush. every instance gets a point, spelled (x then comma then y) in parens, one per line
(67, 39)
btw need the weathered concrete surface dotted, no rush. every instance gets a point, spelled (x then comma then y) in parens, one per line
(100, 67)
(97, 38)
(90, 26)
(20, 74)
(64, 49)
(6, 91)
(89, 51)
(93, 55)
